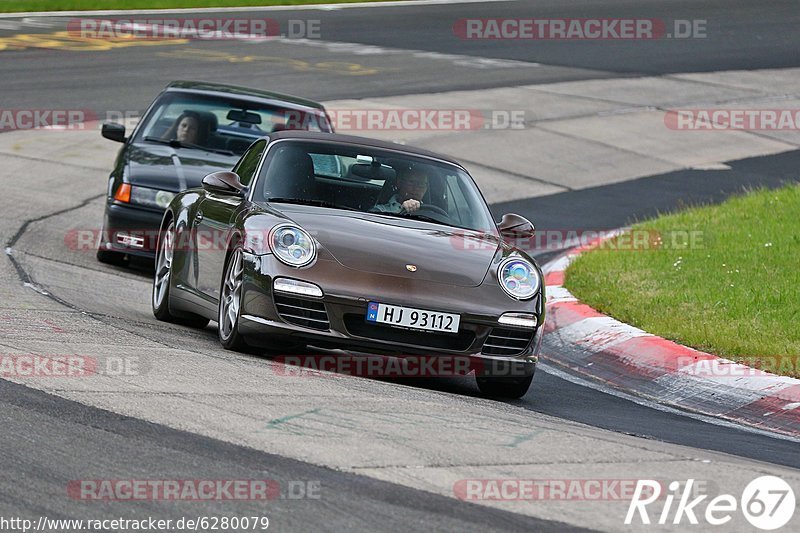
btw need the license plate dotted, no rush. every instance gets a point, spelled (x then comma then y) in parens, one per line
(409, 317)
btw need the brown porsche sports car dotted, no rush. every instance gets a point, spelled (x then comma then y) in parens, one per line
(345, 242)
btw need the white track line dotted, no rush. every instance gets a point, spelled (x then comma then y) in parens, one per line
(644, 402)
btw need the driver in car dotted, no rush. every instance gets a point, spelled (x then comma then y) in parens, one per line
(186, 128)
(412, 184)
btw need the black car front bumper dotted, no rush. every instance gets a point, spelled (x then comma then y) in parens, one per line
(130, 230)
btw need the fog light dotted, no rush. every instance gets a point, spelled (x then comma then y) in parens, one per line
(296, 287)
(520, 320)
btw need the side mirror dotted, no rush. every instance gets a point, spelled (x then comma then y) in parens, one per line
(224, 182)
(113, 131)
(516, 227)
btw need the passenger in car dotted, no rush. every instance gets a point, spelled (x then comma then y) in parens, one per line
(412, 184)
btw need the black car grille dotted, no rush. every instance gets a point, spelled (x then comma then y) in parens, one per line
(356, 325)
(507, 341)
(301, 311)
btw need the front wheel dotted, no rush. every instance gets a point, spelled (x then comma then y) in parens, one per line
(230, 301)
(163, 280)
(504, 387)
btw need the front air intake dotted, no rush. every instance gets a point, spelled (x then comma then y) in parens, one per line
(301, 311)
(507, 341)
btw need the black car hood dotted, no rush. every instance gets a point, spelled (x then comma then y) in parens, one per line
(173, 169)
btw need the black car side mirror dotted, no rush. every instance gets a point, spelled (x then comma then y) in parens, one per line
(113, 131)
(224, 182)
(513, 226)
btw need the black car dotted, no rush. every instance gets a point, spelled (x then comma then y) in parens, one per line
(190, 130)
(305, 242)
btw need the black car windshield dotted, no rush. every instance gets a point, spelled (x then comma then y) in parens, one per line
(218, 123)
(371, 180)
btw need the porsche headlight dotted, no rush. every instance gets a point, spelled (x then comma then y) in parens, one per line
(292, 245)
(518, 278)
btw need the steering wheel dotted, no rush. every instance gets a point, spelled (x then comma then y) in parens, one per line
(434, 208)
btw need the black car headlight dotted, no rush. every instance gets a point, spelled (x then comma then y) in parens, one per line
(292, 245)
(519, 278)
(151, 197)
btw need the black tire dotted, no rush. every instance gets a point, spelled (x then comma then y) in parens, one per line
(112, 258)
(162, 284)
(504, 387)
(230, 298)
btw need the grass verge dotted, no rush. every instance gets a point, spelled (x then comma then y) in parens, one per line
(15, 6)
(724, 279)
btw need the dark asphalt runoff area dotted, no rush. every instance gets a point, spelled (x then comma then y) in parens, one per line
(48, 442)
(58, 440)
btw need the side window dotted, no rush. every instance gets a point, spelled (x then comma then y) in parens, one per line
(248, 164)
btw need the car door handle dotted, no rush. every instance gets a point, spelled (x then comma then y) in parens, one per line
(199, 216)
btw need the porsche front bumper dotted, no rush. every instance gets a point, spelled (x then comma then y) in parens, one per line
(337, 319)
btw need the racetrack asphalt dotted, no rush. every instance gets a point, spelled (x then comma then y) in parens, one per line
(740, 35)
(51, 439)
(49, 442)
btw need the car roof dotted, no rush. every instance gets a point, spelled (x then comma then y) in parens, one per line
(360, 141)
(218, 88)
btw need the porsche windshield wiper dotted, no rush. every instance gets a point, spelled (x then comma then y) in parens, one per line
(415, 216)
(175, 143)
(424, 218)
(304, 201)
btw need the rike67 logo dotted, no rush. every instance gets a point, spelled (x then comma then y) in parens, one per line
(767, 502)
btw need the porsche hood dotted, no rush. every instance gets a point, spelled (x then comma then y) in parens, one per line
(386, 245)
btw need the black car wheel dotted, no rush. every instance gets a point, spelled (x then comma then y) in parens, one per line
(163, 282)
(230, 301)
(504, 387)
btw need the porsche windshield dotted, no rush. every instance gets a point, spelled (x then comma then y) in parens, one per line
(388, 183)
(218, 123)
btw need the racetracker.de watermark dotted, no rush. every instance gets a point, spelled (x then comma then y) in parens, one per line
(393, 367)
(714, 367)
(511, 489)
(68, 366)
(45, 119)
(733, 119)
(637, 240)
(193, 489)
(258, 522)
(158, 29)
(409, 119)
(85, 240)
(578, 29)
